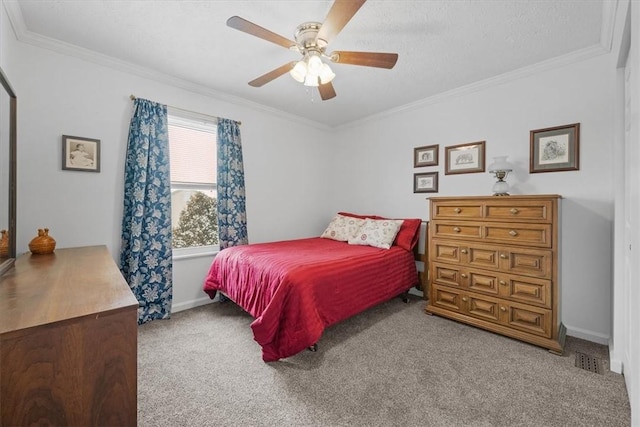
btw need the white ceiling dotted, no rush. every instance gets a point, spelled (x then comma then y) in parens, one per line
(442, 45)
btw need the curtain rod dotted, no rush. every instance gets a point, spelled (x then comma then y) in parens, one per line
(133, 98)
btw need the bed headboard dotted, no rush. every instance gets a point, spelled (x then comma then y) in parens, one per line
(420, 254)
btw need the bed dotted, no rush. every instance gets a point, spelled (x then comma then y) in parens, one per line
(294, 289)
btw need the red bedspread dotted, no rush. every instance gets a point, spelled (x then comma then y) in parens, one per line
(296, 288)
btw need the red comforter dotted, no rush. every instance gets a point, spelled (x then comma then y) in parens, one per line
(296, 288)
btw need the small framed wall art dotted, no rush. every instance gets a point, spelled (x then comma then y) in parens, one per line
(465, 158)
(425, 156)
(80, 154)
(555, 149)
(425, 182)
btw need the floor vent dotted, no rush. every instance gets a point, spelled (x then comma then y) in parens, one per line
(588, 363)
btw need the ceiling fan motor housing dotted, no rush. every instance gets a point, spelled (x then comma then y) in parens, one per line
(306, 34)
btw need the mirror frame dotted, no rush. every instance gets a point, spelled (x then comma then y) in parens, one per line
(8, 263)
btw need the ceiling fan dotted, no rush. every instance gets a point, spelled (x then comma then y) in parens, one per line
(311, 41)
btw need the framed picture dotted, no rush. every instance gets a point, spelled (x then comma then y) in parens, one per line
(425, 156)
(80, 154)
(555, 149)
(425, 182)
(464, 158)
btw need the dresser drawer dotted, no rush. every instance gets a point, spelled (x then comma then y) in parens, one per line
(456, 210)
(523, 211)
(526, 290)
(449, 275)
(447, 298)
(529, 262)
(538, 235)
(529, 319)
(455, 229)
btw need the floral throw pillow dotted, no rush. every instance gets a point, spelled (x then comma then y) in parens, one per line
(378, 233)
(342, 228)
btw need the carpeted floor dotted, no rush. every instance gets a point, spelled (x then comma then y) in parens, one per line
(392, 365)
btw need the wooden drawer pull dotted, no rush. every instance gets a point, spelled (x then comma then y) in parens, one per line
(464, 251)
(457, 210)
(464, 299)
(514, 211)
(503, 283)
(503, 308)
(464, 276)
(513, 233)
(456, 229)
(503, 256)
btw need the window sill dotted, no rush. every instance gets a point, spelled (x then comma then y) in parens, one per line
(191, 253)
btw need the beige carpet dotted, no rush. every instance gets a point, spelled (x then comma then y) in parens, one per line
(392, 365)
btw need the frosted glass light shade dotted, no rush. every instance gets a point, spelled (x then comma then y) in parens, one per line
(299, 71)
(311, 80)
(500, 163)
(326, 74)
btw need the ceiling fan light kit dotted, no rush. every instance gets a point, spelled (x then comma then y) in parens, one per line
(312, 39)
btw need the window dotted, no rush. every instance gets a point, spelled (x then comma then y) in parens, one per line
(192, 150)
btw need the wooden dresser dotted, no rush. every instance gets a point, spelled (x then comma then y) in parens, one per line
(68, 341)
(493, 263)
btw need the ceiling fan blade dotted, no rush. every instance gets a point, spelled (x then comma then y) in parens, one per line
(326, 91)
(271, 75)
(366, 59)
(258, 31)
(340, 13)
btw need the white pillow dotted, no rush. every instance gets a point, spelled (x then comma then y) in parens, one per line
(378, 233)
(342, 228)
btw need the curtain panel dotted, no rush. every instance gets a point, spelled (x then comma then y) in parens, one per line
(232, 214)
(146, 254)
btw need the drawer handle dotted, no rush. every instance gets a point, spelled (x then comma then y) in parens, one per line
(503, 308)
(513, 233)
(503, 283)
(456, 229)
(464, 251)
(503, 256)
(464, 276)
(514, 211)
(457, 210)
(464, 299)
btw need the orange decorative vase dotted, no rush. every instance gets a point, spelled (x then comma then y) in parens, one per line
(42, 243)
(4, 244)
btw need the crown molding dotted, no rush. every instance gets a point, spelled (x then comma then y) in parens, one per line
(609, 10)
(557, 62)
(25, 36)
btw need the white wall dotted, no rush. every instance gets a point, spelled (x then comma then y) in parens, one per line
(374, 161)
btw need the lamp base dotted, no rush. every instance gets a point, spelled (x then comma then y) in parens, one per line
(500, 188)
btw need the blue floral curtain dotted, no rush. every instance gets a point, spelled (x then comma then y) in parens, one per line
(232, 214)
(145, 258)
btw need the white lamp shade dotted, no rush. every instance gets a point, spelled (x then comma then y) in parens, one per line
(314, 65)
(299, 71)
(500, 163)
(326, 74)
(311, 80)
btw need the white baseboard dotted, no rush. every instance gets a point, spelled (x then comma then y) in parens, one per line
(176, 307)
(587, 335)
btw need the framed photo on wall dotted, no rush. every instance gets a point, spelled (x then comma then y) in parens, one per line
(425, 182)
(464, 158)
(80, 154)
(555, 149)
(425, 156)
